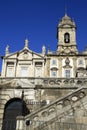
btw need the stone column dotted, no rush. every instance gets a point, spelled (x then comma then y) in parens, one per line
(60, 67)
(4, 68)
(74, 67)
(20, 123)
(47, 71)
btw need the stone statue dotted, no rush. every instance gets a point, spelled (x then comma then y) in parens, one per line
(43, 50)
(26, 43)
(7, 50)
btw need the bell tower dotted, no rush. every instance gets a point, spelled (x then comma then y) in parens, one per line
(66, 35)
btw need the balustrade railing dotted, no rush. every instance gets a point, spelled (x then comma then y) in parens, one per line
(56, 110)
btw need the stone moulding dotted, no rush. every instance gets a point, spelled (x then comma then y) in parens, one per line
(42, 83)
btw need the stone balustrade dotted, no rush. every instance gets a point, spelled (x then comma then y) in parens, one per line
(58, 109)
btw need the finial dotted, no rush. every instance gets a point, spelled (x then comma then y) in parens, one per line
(26, 43)
(7, 50)
(43, 50)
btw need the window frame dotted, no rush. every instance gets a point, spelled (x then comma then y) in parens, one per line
(10, 69)
(67, 73)
(54, 72)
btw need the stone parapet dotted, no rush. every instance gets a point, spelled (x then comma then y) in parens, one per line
(42, 82)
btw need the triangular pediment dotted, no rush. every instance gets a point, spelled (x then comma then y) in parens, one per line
(11, 55)
(68, 25)
(24, 54)
(28, 55)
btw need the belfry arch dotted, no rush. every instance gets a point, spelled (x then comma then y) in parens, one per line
(67, 38)
(13, 108)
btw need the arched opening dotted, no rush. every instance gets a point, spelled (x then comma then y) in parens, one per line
(13, 108)
(67, 38)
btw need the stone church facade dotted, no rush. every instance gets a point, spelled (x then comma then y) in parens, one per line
(45, 91)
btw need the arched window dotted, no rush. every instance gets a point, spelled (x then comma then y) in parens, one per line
(13, 108)
(67, 38)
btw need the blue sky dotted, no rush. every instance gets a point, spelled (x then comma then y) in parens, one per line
(37, 20)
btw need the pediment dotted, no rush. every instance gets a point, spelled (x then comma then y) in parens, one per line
(28, 55)
(81, 69)
(68, 25)
(11, 55)
(24, 54)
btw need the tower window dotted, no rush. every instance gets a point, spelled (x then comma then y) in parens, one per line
(67, 38)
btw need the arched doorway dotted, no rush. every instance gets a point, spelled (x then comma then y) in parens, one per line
(13, 108)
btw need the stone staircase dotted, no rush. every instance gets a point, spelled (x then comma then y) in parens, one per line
(69, 109)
